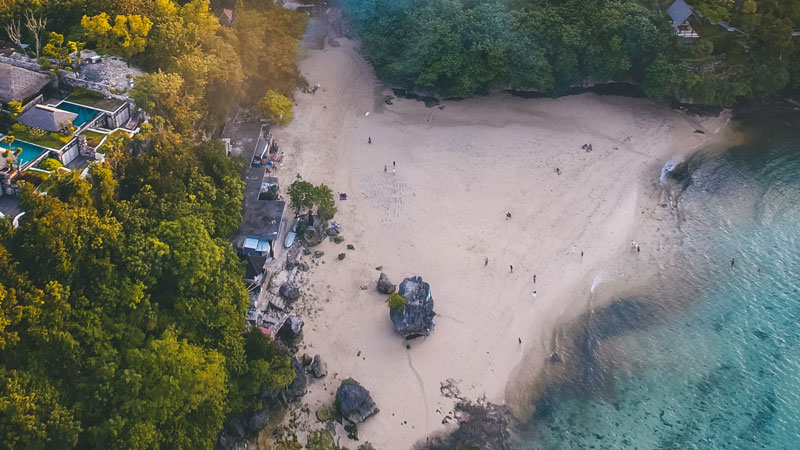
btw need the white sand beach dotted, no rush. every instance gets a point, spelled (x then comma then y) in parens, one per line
(459, 170)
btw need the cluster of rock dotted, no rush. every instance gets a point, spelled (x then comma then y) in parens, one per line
(416, 318)
(384, 285)
(240, 427)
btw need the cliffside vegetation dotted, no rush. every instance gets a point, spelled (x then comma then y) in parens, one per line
(466, 47)
(122, 310)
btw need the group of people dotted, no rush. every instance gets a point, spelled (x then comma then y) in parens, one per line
(587, 147)
(394, 168)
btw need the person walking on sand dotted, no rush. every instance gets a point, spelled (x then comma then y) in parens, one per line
(534, 278)
(369, 140)
(385, 169)
(520, 340)
(486, 261)
(511, 267)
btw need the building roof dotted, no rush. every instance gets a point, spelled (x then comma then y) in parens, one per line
(254, 266)
(18, 84)
(47, 118)
(262, 218)
(226, 17)
(679, 11)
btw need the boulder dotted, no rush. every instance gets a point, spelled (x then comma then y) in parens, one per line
(342, 256)
(291, 330)
(338, 239)
(332, 232)
(318, 368)
(289, 292)
(351, 247)
(354, 402)
(319, 254)
(306, 251)
(384, 285)
(297, 388)
(416, 318)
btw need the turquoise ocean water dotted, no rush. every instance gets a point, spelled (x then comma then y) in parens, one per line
(710, 357)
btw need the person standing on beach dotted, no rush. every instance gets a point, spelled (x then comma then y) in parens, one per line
(511, 267)
(385, 169)
(486, 261)
(369, 140)
(534, 278)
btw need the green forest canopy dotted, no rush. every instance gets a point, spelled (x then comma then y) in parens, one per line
(121, 302)
(465, 47)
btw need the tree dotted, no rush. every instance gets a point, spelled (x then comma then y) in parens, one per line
(162, 94)
(56, 49)
(126, 38)
(277, 107)
(396, 302)
(35, 25)
(301, 195)
(15, 108)
(14, 33)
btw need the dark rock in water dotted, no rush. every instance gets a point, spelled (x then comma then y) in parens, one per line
(554, 358)
(289, 292)
(384, 285)
(318, 368)
(338, 239)
(480, 426)
(416, 318)
(351, 247)
(342, 256)
(319, 254)
(354, 402)
(291, 330)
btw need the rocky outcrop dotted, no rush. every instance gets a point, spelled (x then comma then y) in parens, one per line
(481, 426)
(241, 427)
(384, 285)
(318, 368)
(415, 319)
(289, 292)
(354, 402)
(291, 331)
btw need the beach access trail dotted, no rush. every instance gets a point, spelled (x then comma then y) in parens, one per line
(459, 170)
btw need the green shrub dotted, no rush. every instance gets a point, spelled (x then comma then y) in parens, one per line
(19, 128)
(50, 164)
(396, 302)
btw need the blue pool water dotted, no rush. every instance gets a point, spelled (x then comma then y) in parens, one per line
(85, 114)
(29, 151)
(709, 357)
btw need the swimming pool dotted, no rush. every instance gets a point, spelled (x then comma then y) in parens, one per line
(85, 114)
(29, 151)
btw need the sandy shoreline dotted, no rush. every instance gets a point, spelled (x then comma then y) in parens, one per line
(460, 168)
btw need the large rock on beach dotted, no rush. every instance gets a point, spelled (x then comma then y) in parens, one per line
(354, 402)
(384, 285)
(416, 318)
(291, 330)
(289, 292)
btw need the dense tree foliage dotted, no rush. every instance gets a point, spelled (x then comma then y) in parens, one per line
(122, 306)
(464, 47)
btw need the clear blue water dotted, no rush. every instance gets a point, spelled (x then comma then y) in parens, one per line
(710, 358)
(29, 151)
(85, 114)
